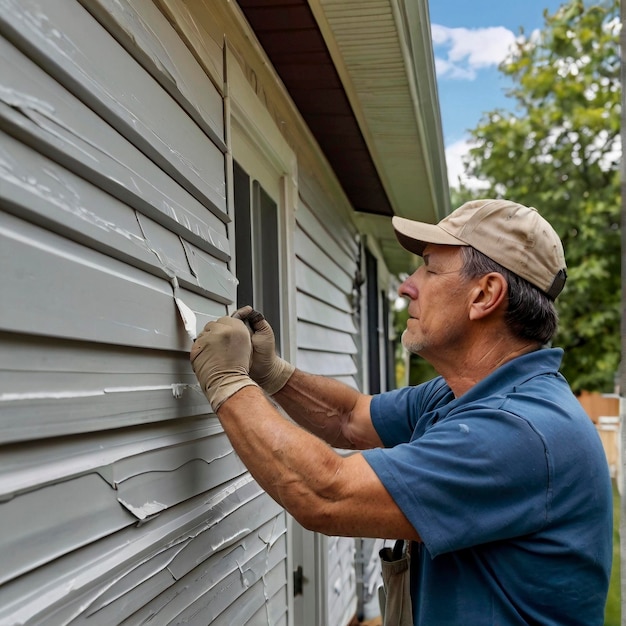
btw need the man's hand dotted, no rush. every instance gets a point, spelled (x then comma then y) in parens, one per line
(220, 357)
(267, 368)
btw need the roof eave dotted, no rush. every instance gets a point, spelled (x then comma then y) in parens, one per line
(389, 79)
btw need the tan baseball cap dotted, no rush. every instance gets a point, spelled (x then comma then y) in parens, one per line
(511, 234)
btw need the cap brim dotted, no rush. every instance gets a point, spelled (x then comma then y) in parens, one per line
(415, 236)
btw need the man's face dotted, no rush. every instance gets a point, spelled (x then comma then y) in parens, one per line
(438, 307)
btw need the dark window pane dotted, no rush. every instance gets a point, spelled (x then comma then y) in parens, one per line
(266, 259)
(371, 272)
(243, 236)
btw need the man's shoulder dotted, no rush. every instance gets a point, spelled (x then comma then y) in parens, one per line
(431, 393)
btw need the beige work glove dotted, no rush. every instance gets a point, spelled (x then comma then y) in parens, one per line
(220, 357)
(267, 368)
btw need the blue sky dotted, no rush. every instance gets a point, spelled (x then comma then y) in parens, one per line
(470, 39)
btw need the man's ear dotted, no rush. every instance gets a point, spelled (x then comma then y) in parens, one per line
(489, 295)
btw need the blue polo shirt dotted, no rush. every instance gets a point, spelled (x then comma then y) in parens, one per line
(509, 489)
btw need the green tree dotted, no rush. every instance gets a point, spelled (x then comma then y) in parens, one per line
(559, 150)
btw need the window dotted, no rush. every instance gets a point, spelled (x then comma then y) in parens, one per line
(381, 350)
(257, 249)
(373, 338)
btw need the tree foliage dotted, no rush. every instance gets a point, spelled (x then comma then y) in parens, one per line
(559, 151)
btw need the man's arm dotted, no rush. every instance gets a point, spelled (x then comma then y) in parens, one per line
(323, 490)
(329, 409)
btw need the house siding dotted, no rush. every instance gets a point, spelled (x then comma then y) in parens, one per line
(327, 260)
(121, 499)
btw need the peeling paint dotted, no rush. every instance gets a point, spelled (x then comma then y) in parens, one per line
(186, 314)
(121, 496)
(148, 509)
(69, 42)
(65, 199)
(34, 105)
(177, 390)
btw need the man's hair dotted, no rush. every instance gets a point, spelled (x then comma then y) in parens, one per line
(530, 313)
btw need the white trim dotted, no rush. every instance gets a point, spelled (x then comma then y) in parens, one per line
(258, 146)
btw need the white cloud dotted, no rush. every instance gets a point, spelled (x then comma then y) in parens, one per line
(460, 52)
(456, 170)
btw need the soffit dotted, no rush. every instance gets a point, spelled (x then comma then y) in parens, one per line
(361, 74)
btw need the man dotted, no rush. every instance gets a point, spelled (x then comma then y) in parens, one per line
(492, 469)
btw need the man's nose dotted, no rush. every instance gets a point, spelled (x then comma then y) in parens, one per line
(407, 288)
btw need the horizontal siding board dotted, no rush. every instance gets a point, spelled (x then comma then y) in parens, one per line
(310, 253)
(71, 207)
(335, 215)
(156, 489)
(41, 113)
(44, 192)
(348, 380)
(87, 295)
(204, 37)
(316, 312)
(171, 458)
(35, 464)
(208, 586)
(313, 337)
(326, 363)
(255, 598)
(200, 529)
(274, 612)
(147, 36)
(124, 599)
(240, 523)
(52, 521)
(33, 417)
(323, 234)
(70, 45)
(50, 387)
(309, 281)
(125, 596)
(144, 484)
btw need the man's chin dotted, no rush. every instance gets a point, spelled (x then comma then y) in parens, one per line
(410, 344)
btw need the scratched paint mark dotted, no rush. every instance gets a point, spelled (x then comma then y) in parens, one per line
(177, 390)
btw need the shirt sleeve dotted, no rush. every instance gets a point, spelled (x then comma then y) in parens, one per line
(396, 415)
(475, 477)
(391, 412)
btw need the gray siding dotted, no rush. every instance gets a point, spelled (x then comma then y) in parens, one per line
(327, 252)
(121, 500)
(326, 264)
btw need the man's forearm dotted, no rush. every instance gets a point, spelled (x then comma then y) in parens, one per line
(330, 410)
(294, 467)
(324, 491)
